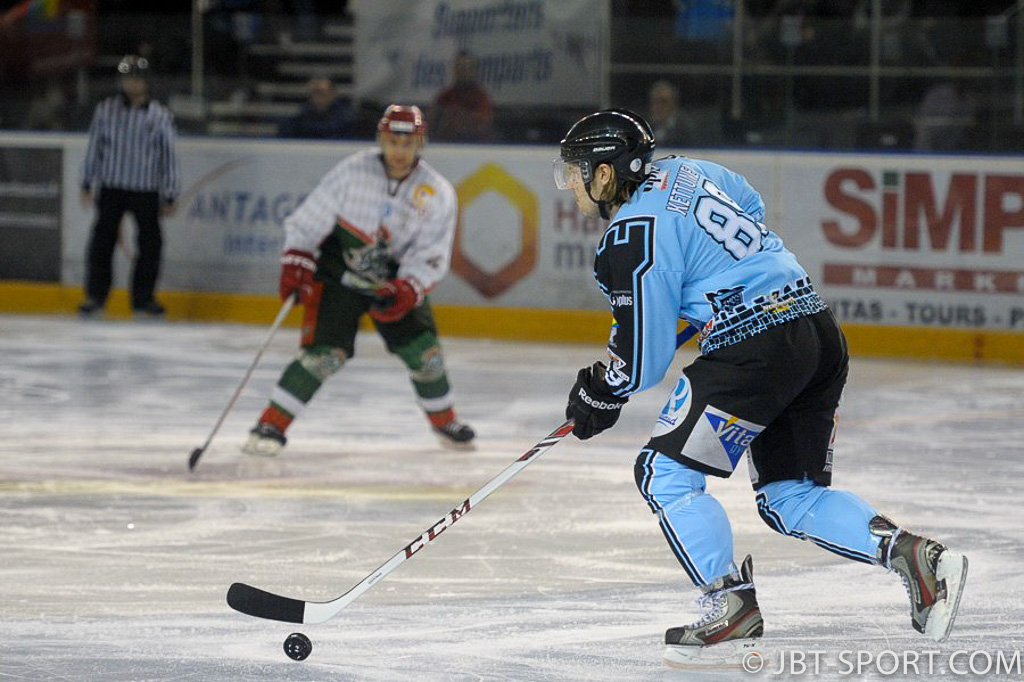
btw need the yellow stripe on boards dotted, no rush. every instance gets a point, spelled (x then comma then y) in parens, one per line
(521, 324)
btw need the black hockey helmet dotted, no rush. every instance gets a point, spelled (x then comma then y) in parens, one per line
(133, 65)
(618, 137)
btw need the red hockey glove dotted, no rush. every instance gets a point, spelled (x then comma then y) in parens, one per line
(395, 299)
(297, 268)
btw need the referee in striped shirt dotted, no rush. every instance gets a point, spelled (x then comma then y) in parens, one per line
(130, 167)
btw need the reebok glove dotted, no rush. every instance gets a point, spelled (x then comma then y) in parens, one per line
(592, 404)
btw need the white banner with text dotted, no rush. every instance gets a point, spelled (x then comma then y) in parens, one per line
(528, 52)
(914, 241)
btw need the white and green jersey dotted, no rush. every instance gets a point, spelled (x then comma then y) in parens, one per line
(379, 228)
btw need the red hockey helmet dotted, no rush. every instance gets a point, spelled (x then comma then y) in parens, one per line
(407, 120)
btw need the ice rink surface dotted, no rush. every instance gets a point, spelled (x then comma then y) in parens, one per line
(114, 560)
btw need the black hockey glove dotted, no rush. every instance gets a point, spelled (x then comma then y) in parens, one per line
(592, 404)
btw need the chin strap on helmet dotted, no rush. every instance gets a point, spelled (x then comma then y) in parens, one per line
(602, 205)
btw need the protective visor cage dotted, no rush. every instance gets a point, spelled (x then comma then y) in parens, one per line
(407, 120)
(407, 127)
(567, 172)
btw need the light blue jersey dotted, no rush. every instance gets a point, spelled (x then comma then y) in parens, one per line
(690, 244)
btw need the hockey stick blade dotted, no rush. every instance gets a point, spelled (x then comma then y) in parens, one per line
(256, 602)
(193, 459)
(253, 601)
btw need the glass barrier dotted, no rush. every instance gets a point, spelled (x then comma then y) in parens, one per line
(754, 74)
(926, 83)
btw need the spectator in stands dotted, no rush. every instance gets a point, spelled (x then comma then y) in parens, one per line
(463, 111)
(671, 128)
(946, 115)
(324, 116)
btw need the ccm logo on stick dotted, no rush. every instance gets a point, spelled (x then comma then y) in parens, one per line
(435, 530)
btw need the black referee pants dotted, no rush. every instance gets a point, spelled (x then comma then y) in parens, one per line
(111, 205)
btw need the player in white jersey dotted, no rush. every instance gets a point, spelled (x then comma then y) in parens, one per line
(687, 242)
(375, 236)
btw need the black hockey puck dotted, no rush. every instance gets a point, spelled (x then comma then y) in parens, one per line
(297, 646)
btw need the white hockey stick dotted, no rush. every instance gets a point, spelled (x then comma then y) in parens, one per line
(193, 459)
(261, 604)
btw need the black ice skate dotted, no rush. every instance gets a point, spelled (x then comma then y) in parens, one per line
(934, 576)
(151, 309)
(728, 631)
(265, 440)
(89, 308)
(455, 435)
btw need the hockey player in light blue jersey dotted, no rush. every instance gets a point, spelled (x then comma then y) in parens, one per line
(687, 241)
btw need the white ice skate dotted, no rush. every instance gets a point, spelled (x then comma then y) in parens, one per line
(265, 440)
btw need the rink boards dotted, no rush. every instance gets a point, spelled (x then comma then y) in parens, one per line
(919, 256)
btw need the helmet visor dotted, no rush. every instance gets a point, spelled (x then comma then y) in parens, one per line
(567, 173)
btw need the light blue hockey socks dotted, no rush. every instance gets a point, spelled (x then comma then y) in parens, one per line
(835, 520)
(694, 523)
